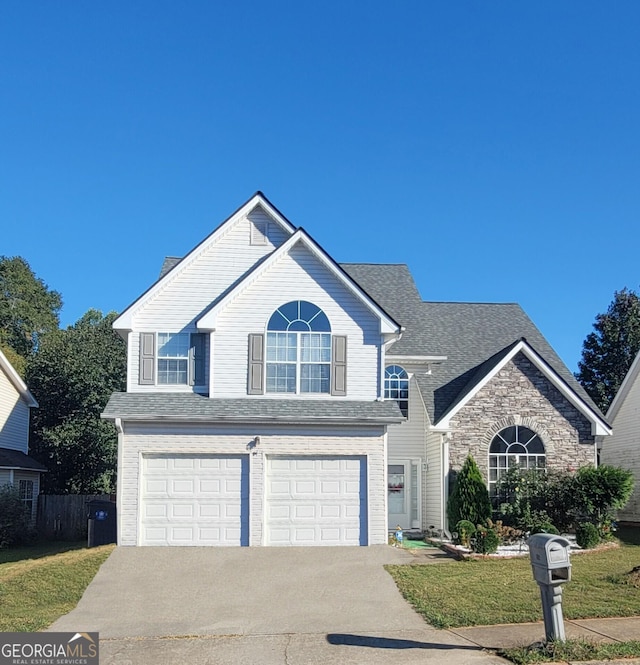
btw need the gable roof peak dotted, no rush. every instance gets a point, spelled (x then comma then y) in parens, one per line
(169, 269)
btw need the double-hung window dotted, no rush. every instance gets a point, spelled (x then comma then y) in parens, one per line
(172, 359)
(25, 488)
(298, 349)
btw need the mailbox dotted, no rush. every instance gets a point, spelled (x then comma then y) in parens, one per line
(550, 558)
(551, 568)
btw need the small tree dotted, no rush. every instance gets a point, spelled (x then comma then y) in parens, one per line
(470, 498)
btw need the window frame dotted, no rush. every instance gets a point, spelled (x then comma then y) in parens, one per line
(150, 359)
(499, 438)
(298, 342)
(27, 499)
(403, 402)
(173, 358)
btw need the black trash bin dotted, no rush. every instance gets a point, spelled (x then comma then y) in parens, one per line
(102, 522)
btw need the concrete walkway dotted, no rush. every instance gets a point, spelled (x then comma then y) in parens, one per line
(282, 606)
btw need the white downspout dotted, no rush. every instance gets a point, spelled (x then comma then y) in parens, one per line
(445, 479)
(120, 431)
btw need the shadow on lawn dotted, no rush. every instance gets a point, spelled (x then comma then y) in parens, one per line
(628, 534)
(391, 643)
(39, 550)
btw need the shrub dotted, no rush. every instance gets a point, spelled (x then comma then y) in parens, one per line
(469, 499)
(597, 492)
(506, 534)
(545, 527)
(587, 535)
(15, 523)
(486, 541)
(465, 530)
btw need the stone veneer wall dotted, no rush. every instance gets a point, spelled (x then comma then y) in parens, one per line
(520, 394)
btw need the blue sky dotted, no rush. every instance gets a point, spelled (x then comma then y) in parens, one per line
(494, 147)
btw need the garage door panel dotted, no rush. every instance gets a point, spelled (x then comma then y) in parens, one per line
(182, 486)
(195, 500)
(154, 486)
(316, 500)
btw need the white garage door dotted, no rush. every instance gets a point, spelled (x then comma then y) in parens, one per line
(316, 501)
(195, 500)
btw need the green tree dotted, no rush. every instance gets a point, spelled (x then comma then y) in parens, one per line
(72, 376)
(469, 499)
(607, 353)
(28, 308)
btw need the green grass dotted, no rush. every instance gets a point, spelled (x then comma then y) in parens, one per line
(40, 583)
(493, 591)
(571, 651)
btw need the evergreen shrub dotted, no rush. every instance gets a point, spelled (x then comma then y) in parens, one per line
(587, 535)
(466, 531)
(486, 541)
(469, 499)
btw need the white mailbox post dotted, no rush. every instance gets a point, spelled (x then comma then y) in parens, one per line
(551, 569)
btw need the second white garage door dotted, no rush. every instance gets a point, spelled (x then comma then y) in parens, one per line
(195, 500)
(316, 500)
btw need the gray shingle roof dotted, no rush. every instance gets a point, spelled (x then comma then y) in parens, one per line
(193, 407)
(168, 263)
(473, 336)
(14, 459)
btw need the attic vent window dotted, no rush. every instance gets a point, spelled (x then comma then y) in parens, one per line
(259, 232)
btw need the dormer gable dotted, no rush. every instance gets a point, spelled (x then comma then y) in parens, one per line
(258, 224)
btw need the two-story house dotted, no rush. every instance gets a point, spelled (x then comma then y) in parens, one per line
(16, 467)
(275, 397)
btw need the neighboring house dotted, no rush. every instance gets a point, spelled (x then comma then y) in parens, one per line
(622, 448)
(275, 397)
(16, 467)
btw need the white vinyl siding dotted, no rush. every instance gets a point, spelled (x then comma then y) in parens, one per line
(407, 440)
(140, 440)
(5, 477)
(622, 448)
(299, 275)
(14, 417)
(433, 515)
(190, 291)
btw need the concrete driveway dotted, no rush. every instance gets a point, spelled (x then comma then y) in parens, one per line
(258, 605)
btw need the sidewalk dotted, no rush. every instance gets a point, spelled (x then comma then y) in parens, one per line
(524, 634)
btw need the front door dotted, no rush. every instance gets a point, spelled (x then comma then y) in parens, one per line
(402, 494)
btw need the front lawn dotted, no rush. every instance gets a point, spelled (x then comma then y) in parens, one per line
(40, 583)
(493, 591)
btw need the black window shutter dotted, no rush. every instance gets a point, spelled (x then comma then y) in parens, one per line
(147, 369)
(256, 365)
(197, 359)
(339, 365)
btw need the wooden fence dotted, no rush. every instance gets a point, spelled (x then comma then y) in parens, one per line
(64, 516)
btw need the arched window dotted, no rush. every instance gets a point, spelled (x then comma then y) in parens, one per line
(514, 447)
(396, 386)
(298, 349)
